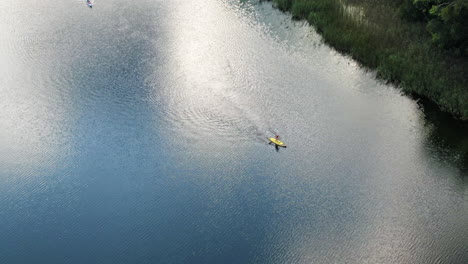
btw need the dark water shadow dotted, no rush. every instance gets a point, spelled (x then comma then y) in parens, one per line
(276, 146)
(448, 135)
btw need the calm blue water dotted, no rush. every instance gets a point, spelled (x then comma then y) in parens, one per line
(135, 132)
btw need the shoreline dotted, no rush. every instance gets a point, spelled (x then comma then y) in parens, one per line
(399, 51)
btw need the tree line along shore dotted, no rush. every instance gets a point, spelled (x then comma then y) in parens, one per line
(420, 45)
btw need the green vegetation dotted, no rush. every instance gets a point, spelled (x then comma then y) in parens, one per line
(421, 45)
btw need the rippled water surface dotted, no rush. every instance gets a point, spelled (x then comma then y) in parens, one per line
(135, 132)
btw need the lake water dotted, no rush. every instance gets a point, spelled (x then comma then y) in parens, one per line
(136, 132)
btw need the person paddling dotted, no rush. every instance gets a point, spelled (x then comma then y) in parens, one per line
(276, 141)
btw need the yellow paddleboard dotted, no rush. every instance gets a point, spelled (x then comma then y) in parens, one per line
(277, 142)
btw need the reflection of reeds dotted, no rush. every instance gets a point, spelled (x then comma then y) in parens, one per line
(449, 137)
(374, 34)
